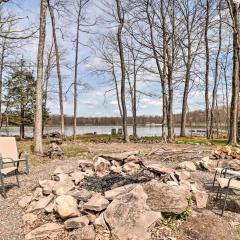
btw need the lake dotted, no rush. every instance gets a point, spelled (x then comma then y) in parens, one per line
(142, 130)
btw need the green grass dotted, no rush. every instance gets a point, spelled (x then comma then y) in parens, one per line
(201, 140)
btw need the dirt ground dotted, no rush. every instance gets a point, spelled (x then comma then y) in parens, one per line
(168, 155)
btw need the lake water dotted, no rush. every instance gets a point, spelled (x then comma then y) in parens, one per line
(142, 130)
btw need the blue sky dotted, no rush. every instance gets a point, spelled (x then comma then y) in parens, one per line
(92, 101)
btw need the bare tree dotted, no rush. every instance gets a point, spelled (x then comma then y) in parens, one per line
(234, 12)
(38, 118)
(120, 18)
(57, 54)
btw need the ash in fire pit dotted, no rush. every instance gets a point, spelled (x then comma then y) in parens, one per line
(113, 180)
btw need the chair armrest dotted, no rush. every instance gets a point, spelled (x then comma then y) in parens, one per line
(8, 158)
(237, 176)
(224, 171)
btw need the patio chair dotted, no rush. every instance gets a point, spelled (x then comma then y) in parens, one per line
(225, 185)
(4, 172)
(9, 152)
(226, 171)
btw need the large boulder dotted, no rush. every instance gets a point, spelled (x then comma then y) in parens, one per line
(102, 166)
(96, 203)
(44, 231)
(129, 217)
(166, 198)
(64, 186)
(67, 206)
(206, 226)
(187, 165)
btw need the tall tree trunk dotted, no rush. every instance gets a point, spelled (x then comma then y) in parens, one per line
(120, 14)
(160, 71)
(38, 117)
(216, 76)
(76, 76)
(51, 11)
(1, 79)
(45, 85)
(233, 7)
(185, 102)
(207, 67)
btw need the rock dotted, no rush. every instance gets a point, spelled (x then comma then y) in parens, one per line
(206, 226)
(88, 173)
(40, 204)
(187, 165)
(29, 218)
(66, 206)
(43, 231)
(116, 163)
(100, 223)
(165, 198)
(96, 203)
(111, 194)
(54, 151)
(62, 187)
(61, 177)
(38, 193)
(77, 222)
(131, 167)
(91, 217)
(102, 166)
(47, 186)
(119, 156)
(116, 169)
(132, 158)
(183, 175)
(25, 201)
(208, 164)
(157, 168)
(129, 217)
(77, 177)
(200, 197)
(172, 183)
(85, 164)
(85, 233)
(50, 207)
(58, 170)
(82, 195)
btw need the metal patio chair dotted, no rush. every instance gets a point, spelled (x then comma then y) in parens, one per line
(224, 172)
(9, 152)
(4, 172)
(225, 185)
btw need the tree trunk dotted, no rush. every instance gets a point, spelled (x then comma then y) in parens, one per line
(185, 103)
(38, 117)
(235, 77)
(216, 76)
(207, 68)
(58, 68)
(123, 69)
(75, 77)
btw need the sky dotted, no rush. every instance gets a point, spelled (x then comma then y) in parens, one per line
(96, 99)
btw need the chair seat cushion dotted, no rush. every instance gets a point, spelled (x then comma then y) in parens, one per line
(229, 171)
(6, 171)
(234, 184)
